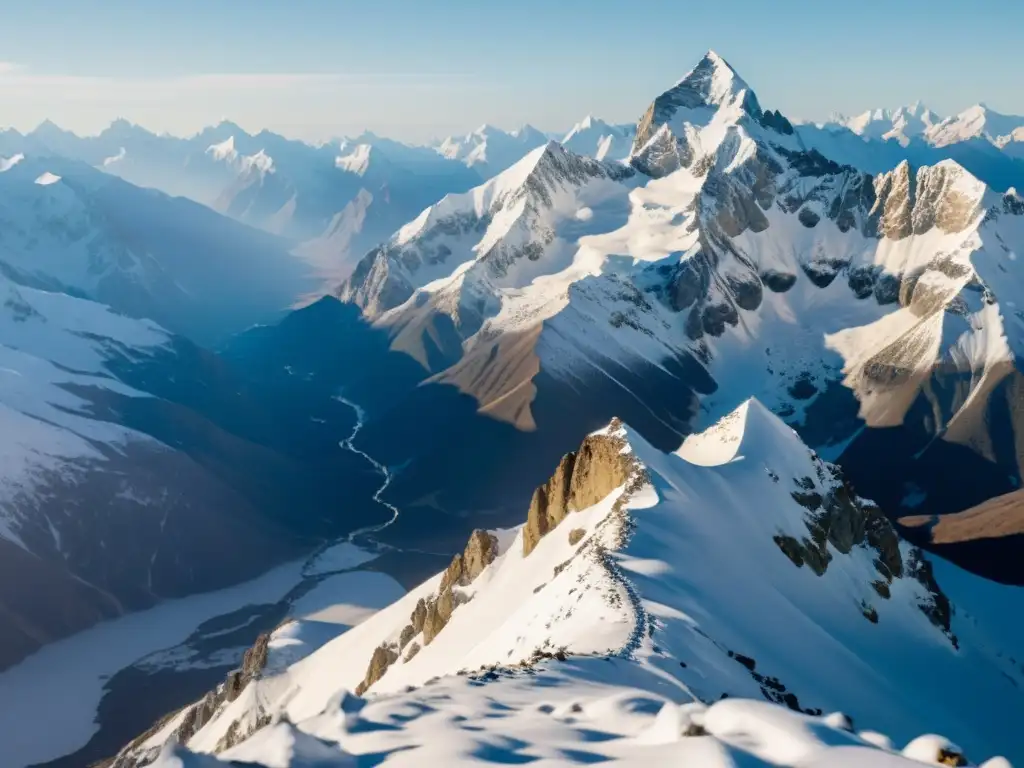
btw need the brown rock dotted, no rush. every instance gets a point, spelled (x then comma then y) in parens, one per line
(419, 614)
(576, 536)
(383, 657)
(480, 551)
(581, 480)
(255, 659)
(549, 504)
(439, 612)
(408, 633)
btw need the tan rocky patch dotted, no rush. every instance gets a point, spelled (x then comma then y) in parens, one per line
(581, 480)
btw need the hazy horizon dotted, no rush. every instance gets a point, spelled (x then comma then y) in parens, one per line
(415, 73)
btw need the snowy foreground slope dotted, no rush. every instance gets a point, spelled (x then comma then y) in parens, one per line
(642, 588)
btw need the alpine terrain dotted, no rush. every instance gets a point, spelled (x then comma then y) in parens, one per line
(693, 441)
(644, 598)
(876, 314)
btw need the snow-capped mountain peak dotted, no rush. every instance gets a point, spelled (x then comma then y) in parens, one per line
(354, 158)
(461, 256)
(689, 121)
(529, 135)
(978, 122)
(491, 150)
(712, 83)
(600, 140)
(224, 150)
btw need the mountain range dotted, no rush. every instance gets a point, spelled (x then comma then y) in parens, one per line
(791, 352)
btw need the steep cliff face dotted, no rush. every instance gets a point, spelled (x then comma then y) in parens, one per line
(583, 478)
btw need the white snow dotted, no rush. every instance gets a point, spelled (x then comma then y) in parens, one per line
(491, 150)
(6, 163)
(48, 723)
(357, 161)
(569, 714)
(225, 150)
(596, 138)
(46, 179)
(698, 578)
(109, 161)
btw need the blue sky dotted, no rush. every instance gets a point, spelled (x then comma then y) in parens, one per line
(414, 69)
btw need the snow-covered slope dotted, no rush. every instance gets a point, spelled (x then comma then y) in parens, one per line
(596, 138)
(489, 150)
(286, 187)
(901, 125)
(643, 584)
(98, 515)
(986, 143)
(736, 262)
(476, 264)
(980, 122)
(70, 227)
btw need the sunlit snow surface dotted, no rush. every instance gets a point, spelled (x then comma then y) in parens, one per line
(683, 610)
(47, 178)
(576, 713)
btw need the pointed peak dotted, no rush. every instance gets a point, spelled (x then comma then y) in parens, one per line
(529, 133)
(918, 109)
(750, 428)
(48, 127)
(122, 126)
(549, 149)
(357, 158)
(721, 73)
(224, 150)
(487, 129)
(712, 83)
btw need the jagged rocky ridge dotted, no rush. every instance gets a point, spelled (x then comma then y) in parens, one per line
(716, 568)
(873, 312)
(432, 613)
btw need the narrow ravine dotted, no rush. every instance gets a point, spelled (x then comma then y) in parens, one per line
(349, 444)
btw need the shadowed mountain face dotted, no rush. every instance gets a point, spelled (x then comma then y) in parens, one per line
(140, 467)
(455, 467)
(986, 539)
(141, 252)
(873, 312)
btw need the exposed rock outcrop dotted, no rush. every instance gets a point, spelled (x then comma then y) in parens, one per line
(383, 657)
(432, 614)
(480, 552)
(199, 714)
(582, 479)
(836, 516)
